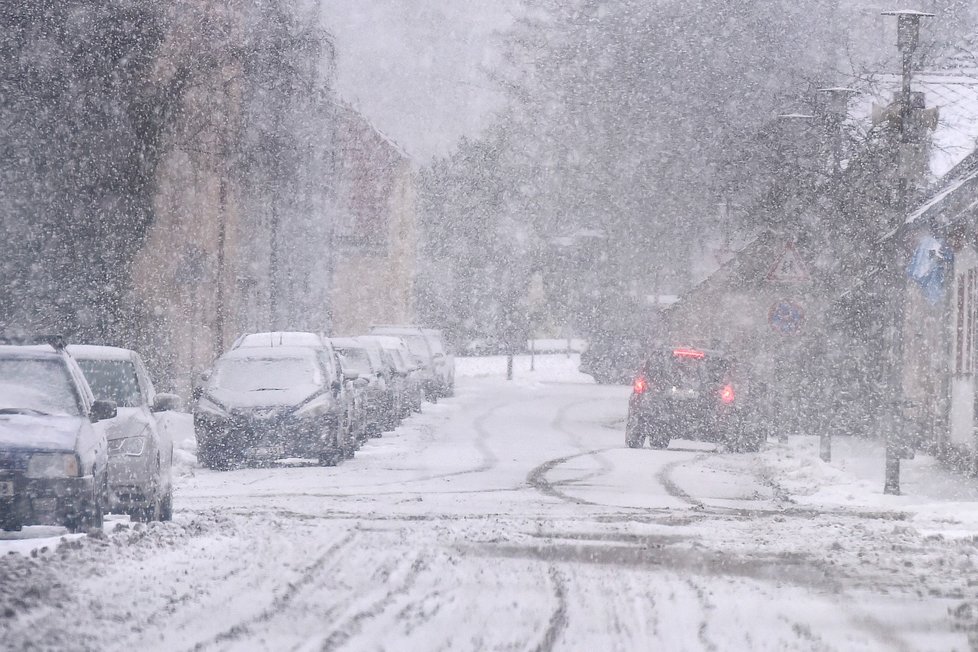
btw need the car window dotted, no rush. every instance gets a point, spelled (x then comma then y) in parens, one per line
(113, 379)
(265, 374)
(417, 345)
(436, 346)
(356, 360)
(37, 385)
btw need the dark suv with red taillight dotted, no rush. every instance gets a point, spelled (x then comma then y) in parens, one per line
(688, 393)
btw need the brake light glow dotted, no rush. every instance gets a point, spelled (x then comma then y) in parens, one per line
(689, 353)
(640, 385)
(727, 394)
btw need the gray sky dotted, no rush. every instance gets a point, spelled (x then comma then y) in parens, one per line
(415, 68)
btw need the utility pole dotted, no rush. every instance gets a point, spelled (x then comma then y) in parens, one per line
(908, 39)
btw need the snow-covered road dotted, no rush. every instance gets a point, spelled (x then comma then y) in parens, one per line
(510, 517)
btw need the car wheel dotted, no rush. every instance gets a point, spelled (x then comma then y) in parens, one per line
(89, 515)
(330, 457)
(660, 442)
(166, 505)
(635, 431)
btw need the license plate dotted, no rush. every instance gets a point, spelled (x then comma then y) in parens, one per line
(6, 489)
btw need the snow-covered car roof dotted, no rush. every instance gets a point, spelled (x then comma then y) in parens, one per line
(269, 353)
(346, 342)
(94, 352)
(403, 329)
(279, 338)
(30, 351)
(388, 341)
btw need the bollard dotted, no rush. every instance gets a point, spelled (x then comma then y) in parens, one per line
(509, 367)
(891, 485)
(825, 447)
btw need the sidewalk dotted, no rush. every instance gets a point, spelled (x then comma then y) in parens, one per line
(935, 498)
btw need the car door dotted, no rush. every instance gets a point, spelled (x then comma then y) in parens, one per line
(162, 423)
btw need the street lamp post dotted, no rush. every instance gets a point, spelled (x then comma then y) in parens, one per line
(908, 39)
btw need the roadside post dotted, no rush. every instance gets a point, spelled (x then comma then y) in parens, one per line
(908, 39)
(509, 366)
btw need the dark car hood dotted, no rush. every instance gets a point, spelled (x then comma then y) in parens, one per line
(35, 432)
(269, 398)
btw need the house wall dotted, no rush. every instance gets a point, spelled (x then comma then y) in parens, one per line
(376, 285)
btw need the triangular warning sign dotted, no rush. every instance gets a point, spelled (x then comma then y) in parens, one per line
(789, 267)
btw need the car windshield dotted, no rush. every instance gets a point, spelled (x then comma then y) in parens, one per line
(37, 386)
(417, 346)
(113, 379)
(354, 359)
(265, 374)
(679, 372)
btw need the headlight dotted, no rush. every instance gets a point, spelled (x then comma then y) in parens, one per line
(316, 407)
(53, 465)
(208, 407)
(133, 446)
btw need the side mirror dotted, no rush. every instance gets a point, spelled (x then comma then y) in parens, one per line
(103, 409)
(337, 387)
(350, 374)
(166, 403)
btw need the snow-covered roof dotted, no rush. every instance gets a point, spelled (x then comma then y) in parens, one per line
(93, 352)
(941, 195)
(952, 87)
(387, 341)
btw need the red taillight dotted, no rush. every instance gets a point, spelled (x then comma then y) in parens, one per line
(640, 385)
(727, 394)
(689, 353)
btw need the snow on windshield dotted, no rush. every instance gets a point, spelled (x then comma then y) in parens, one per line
(113, 379)
(265, 374)
(356, 360)
(37, 385)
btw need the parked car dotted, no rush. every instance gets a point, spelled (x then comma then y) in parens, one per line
(397, 384)
(355, 387)
(266, 403)
(414, 377)
(688, 393)
(428, 346)
(358, 356)
(140, 447)
(351, 427)
(53, 453)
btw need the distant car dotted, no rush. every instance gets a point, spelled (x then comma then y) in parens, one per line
(366, 360)
(428, 345)
(267, 403)
(611, 359)
(140, 448)
(688, 393)
(397, 384)
(351, 428)
(53, 460)
(414, 378)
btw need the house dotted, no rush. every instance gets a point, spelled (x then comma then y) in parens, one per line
(376, 236)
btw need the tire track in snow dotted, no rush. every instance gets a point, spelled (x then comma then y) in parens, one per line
(558, 620)
(664, 478)
(353, 625)
(537, 477)
(283, 601)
